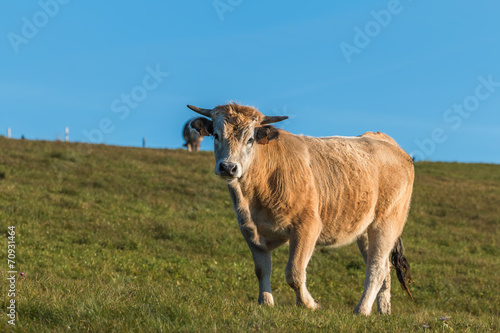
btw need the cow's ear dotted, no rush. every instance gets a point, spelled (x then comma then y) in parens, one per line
(265, 134)
(202, 126)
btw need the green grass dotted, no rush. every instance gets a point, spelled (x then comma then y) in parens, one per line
(141, 240)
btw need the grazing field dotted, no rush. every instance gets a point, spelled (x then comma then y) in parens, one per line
(144, 240)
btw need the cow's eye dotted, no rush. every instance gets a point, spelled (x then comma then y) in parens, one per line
(216, 136)
(250, 141)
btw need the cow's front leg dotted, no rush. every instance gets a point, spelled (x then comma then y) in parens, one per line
(302, 242)
(262, 262)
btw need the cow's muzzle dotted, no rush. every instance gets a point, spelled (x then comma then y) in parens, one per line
(228, 170)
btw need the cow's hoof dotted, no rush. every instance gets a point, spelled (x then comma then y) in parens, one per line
(311, 305)
(362, 312)
(266, 299)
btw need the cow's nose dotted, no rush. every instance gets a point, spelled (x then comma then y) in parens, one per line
(228, 169)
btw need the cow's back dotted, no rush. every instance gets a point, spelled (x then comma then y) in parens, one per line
(346, 181)
(357, 180)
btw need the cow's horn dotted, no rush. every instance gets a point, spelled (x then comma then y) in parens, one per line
(274, 119)
(203, 112)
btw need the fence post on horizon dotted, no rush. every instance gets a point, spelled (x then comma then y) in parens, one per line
(66, 130)
(143, 142)
(8, 132)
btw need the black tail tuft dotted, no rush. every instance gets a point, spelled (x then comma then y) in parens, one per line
(402, 266)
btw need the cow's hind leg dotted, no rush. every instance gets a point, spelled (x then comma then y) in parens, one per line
(302, 243)
(384, 294)
(362, 242)
(377, 281)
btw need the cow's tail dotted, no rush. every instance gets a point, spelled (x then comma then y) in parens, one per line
(402, 266)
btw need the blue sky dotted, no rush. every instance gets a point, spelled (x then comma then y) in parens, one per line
(425, 72)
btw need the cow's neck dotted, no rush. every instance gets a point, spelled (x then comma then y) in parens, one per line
(273, 165)
(265, 165)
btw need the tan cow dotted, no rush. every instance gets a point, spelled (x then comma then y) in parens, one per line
(192, 138)
(313, 191)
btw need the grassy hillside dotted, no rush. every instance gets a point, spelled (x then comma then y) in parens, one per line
(129, 239)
